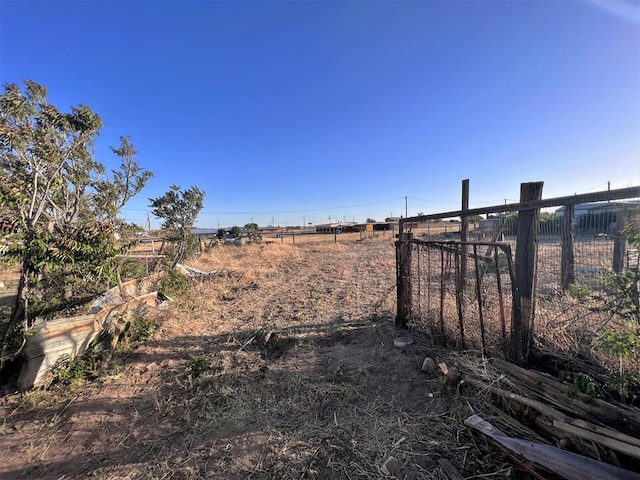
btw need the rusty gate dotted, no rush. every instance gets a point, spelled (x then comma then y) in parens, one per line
(462, 293)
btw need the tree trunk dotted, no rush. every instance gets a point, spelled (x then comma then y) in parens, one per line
(18, 314)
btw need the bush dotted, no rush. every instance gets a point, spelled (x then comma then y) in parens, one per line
(173, 282)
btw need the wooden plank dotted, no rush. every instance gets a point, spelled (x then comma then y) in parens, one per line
(602, 196)
(543, 386)
(507, 421)
(620, 446)
(448, 470)
(609, 432)
(546, 460)
(528, 402)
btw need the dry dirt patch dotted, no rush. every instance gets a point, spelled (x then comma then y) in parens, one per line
(282, 366)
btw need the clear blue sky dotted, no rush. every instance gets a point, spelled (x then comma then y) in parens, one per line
(309, 110)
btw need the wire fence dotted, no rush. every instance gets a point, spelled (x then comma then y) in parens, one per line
(464, 285)
(463, 293)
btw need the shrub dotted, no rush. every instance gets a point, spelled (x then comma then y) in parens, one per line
(173, 282)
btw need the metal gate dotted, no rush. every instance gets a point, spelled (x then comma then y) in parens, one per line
(462, 293)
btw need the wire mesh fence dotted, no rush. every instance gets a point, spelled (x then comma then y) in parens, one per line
(465, 293)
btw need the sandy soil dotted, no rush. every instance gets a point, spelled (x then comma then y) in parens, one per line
(281, 366)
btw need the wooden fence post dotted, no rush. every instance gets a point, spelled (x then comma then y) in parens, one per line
(568, 274)
(464, 234)
(525, 270)
(619, 242)
(403, 282)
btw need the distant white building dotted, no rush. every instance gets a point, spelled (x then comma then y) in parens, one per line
(606, 223)
(597, 207)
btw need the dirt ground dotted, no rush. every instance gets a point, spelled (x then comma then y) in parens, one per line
(281, 366)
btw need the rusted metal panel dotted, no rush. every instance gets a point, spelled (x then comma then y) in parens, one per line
(72, 336)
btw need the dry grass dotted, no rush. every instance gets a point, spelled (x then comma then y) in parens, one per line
(282, 366)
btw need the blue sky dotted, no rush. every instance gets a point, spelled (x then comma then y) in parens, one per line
(300, 111)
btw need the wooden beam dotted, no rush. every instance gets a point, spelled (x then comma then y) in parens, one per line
(545, 461)
(546, 387)
(603, 196)
(567, 275)
(464, 232)
(448, 470)
(525, 269)
(605, 440)
(403, 285)
(527, 402)
(620, 242)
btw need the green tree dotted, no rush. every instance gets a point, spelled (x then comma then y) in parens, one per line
(254, 234)
(371, 220)
(511, 224)
(49, 192)
(236, 231)
(178, 210)
(550, 224)
(621, 299)
(622, 290)
(251, 227)
(124, 184)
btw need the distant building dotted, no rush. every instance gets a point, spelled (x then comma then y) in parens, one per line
(490, 228)
(269, 230)
(597, 207)
(330, 227)
(597, 216)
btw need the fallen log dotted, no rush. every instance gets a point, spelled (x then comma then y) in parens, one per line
(545, 461)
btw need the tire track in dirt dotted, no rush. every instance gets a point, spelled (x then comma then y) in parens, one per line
(283, 366)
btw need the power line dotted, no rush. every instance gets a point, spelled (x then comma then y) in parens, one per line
(270, 212)
(431, 201)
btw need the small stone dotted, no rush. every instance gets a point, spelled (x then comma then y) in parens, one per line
(401, 342)
(391, 467)
(429, 365)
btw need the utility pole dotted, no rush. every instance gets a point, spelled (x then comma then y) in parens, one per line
(405, 207)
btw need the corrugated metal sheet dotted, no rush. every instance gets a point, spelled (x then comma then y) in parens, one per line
(72, 335)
